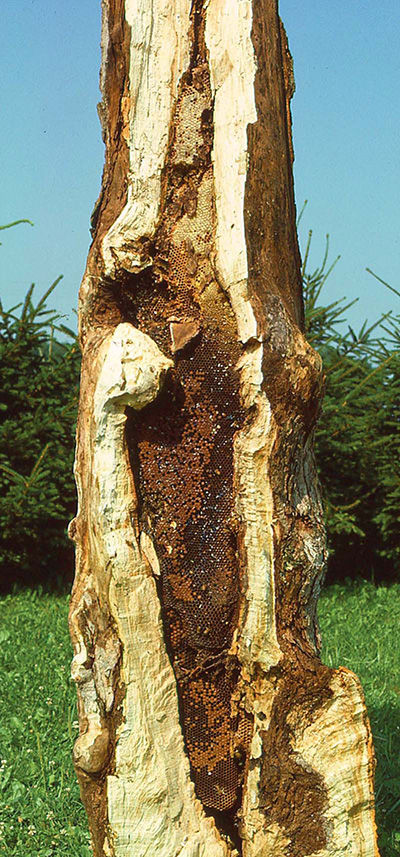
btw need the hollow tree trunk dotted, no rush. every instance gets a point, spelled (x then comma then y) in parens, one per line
(208, 725)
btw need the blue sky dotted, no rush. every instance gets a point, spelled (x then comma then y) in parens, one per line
(346, 138)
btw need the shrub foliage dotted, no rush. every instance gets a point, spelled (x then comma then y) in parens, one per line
(358, 437)
(39, 383)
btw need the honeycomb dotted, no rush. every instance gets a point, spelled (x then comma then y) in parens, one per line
(185, 473)
(181, 449)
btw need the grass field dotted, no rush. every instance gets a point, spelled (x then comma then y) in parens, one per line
(360, 624)
(40, 810)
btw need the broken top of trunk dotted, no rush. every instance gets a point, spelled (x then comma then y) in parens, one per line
(208, 725)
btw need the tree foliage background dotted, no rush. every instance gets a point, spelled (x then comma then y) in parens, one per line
(358, 434)
(357, 439)
(39, 394)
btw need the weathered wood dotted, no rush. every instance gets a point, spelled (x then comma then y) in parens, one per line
(208, 725)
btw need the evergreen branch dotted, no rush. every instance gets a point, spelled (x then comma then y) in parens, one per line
(16, 476)
(384, 283)
(365, 380)
(47, 293)
(15, 223)
(305, 203)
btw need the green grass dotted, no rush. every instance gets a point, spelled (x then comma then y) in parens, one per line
(360, 626)
(40, 809)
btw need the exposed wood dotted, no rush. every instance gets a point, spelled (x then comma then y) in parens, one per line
(208, 725)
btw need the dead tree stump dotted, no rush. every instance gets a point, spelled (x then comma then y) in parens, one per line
(208, 725)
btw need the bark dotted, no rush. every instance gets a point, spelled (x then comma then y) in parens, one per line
(208, 725)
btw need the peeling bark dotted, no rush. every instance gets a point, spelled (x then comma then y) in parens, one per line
(208, 725)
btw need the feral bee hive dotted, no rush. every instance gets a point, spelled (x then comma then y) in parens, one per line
(208, 725)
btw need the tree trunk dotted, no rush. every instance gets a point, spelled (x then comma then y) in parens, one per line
(208, 725)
